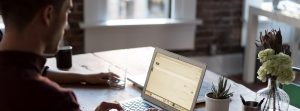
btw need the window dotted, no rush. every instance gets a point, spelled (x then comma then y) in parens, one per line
(138, 9)
(1, 23)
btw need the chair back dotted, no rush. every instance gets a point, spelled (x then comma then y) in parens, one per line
(293, 91)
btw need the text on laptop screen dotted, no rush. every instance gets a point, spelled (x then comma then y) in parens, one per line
(173, 82)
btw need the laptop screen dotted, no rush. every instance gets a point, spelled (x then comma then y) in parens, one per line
(173, 82)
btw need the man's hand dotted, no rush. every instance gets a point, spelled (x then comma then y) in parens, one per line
(106, 106)
(100, 78)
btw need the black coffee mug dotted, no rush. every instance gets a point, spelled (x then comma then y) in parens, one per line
(64, 57)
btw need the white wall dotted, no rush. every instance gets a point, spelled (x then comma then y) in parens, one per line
(165, 36)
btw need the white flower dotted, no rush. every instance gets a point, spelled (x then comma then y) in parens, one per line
(262, 73)
(285, 76)
(265, 55)
(283, 59)
(279, 65)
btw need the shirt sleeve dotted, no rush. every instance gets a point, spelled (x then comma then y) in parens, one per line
(54, 97)
(69, 103)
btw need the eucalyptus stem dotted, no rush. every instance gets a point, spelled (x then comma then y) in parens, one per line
(267, 102)
(274, 98)
(278, 102)
(273, 90)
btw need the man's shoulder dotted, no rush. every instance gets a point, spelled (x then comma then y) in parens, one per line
(63, 98)
(52, 89)
(56, 96)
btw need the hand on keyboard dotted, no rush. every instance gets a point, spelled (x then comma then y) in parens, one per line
(137, 105)
(106, 106)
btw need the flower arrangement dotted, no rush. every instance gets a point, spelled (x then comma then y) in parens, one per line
(275, 58)
(277, 68)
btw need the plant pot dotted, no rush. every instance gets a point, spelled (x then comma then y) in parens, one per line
(212, 104)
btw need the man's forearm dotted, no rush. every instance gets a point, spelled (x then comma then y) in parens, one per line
(64, 77)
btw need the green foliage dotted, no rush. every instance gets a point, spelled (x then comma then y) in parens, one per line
(221, 92)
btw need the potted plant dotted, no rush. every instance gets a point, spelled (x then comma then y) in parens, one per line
(219, 97)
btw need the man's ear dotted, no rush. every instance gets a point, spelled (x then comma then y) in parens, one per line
(48, 14)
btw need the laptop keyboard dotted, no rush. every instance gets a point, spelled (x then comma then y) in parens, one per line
(136, 105)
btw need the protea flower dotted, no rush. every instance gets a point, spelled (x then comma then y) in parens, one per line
(273, 40)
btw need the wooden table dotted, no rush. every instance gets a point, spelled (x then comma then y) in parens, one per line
(136, 61)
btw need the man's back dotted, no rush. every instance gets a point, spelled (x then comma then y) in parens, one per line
(23, 87)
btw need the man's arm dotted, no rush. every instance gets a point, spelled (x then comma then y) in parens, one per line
(64, 77)
(67, 77)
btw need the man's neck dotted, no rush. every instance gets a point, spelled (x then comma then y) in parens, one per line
(22, 41)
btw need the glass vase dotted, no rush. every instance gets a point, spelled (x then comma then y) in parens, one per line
(275, 99)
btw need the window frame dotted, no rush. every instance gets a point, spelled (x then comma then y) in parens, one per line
(113, 9)
(95, 12)
(1, 23)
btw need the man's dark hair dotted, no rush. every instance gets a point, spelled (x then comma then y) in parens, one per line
(21, 12)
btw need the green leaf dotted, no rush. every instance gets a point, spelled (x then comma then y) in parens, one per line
(220, 91)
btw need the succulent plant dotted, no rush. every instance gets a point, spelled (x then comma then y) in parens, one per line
(221, 91)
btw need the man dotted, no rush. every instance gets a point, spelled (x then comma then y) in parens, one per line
(32, 28)
(68, 77)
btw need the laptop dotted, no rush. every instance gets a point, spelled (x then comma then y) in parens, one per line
(138, 80)
(172, 83)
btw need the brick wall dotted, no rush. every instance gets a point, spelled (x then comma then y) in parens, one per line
(74, 36)
(221, 29)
